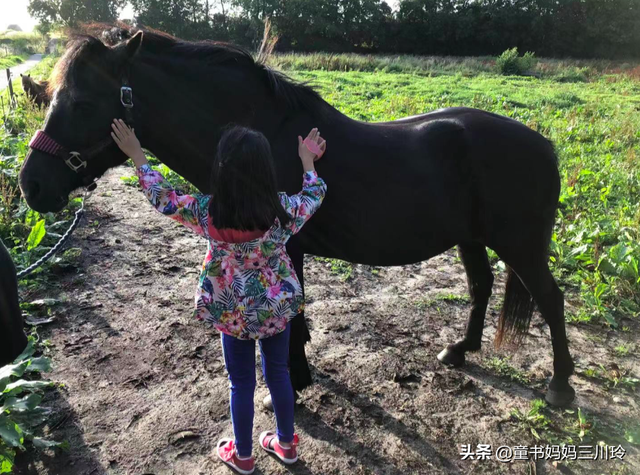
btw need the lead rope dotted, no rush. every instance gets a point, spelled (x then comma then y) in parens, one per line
(63, 239)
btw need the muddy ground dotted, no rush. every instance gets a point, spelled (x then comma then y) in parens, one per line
(143, 388)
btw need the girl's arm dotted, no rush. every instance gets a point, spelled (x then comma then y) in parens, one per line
(186, 209)
(304, 204)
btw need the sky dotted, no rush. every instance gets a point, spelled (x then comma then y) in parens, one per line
(15, 12)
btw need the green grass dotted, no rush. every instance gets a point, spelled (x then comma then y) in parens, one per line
(342, 269)
(573, 427)
(445, 297)
(503, 367)
(11, 61)
(622, 350)
(615, 378)
(534, 420)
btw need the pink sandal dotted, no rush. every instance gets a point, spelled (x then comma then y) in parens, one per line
(228, 454)
(269, 442)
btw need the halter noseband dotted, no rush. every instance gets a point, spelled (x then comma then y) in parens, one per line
(74, 160)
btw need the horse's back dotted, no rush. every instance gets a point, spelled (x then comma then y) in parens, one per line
(407, 190)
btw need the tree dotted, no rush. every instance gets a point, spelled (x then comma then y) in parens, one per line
(191, 19)
(73, 12)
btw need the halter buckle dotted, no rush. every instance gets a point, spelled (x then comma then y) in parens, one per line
(75, 166)
(126, 97)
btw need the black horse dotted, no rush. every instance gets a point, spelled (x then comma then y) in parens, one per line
(399, 192)
(36, 91)
(12, 337)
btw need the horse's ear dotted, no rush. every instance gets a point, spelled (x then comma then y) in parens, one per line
(133, 45)
(21, 75)
(29, 75)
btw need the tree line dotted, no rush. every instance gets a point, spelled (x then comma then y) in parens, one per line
(556, 28)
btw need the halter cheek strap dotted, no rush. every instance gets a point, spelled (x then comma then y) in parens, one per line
(77, 160)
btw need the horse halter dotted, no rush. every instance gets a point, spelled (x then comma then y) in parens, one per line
(77, 160)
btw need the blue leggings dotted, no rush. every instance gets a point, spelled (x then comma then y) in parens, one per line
(240, 360)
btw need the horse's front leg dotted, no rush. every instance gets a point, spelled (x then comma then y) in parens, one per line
(298, 366)
(12, 337)
(480, 282)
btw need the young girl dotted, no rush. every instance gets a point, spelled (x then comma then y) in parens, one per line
(248, 288)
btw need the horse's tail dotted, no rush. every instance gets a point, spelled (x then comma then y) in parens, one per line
(516, 312)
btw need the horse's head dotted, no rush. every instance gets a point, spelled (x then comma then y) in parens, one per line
(26, 81)
(75, 146)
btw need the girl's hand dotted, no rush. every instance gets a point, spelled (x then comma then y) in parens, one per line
(308, 156)
(127, 141)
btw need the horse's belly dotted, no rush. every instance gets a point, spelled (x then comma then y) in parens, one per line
(405, 236)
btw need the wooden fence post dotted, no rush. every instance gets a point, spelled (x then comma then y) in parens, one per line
(12, 98)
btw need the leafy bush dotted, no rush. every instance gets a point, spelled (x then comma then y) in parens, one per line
(510, 63)
(574, 75)
(20, 410)
(22, 43)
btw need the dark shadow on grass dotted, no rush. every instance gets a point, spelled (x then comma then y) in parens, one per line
(317, 428)
(63, 425)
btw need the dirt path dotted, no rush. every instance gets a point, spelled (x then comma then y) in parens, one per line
(145, 392)
(19, 69)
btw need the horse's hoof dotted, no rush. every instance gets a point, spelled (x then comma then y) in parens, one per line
(451, 358)
(268, 403)
(560, 398)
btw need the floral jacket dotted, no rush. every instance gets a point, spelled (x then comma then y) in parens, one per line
(248, 290)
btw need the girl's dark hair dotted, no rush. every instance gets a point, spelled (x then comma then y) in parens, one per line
(243, 183)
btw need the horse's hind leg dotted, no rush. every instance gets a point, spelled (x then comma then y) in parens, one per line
(537, 278)
(480, 282)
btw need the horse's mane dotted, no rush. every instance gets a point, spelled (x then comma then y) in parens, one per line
(296, 95)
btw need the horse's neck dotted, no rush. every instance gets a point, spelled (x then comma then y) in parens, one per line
(181, 120)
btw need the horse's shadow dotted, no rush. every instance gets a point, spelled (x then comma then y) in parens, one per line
(64, 425)
(501, 383)
(318, 429)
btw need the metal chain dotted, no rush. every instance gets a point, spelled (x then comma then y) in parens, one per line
(59, 244)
